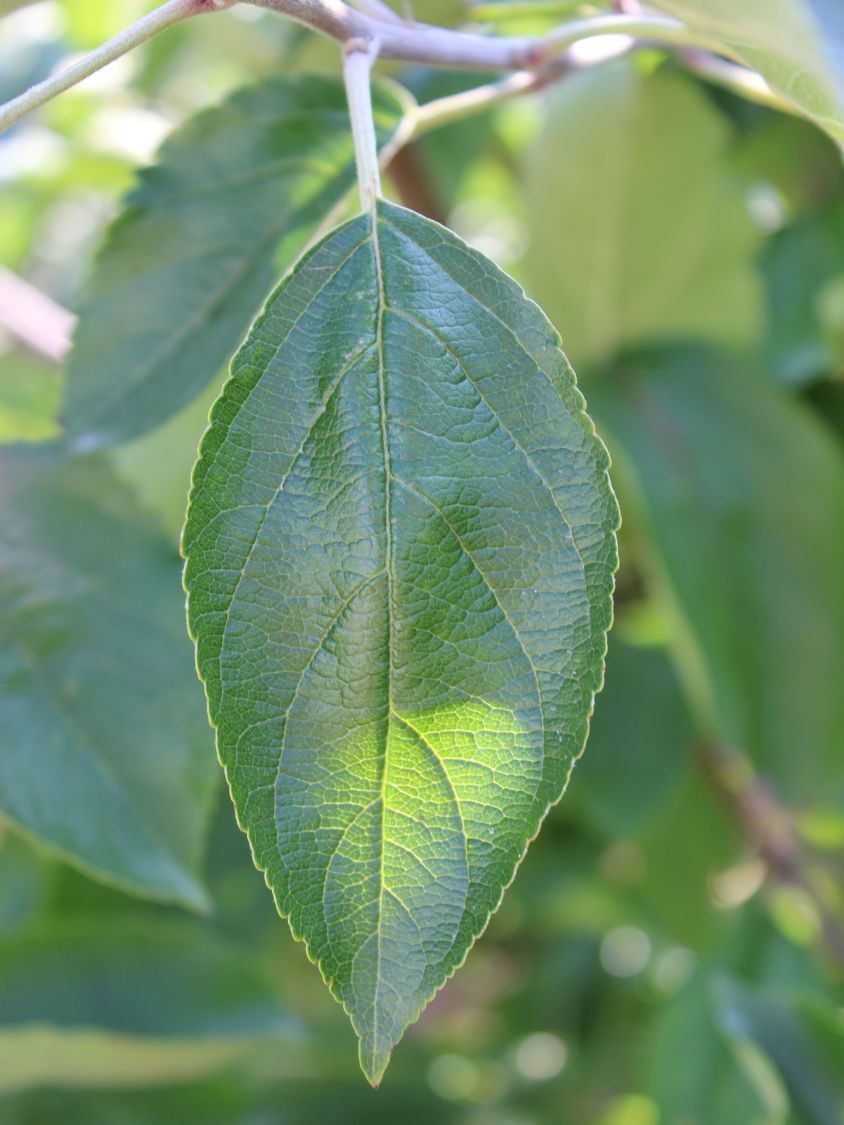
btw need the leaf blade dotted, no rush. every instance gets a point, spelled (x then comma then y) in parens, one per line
(124, 1000)
(237, 192)
(639, 229)
(105, 757)
(789, 42)
(746, 567)
(351, 609)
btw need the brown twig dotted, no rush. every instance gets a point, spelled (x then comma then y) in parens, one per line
(413, 184)
(769, 827)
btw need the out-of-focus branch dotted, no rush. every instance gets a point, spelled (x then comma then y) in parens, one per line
(376, 23)
(33, 318)
(770, 829)
(170, 13)
(411, 180)
(455, 107)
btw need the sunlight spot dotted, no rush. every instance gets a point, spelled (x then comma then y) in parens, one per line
(541, 1056)
(454, 1077)
(625, 951)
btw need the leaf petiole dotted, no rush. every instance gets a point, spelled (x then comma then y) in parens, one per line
(358, 57)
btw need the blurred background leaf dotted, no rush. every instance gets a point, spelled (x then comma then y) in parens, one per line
(233, 199)
(638, 228)
(786, 41)
(111, 1000)
(106, 748)
(740, 497)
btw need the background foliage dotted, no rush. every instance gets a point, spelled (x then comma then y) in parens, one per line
(672, 948)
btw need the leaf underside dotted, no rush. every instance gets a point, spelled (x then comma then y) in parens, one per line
(791, 43)
(103, 741)
(234, 197)
(658, 240)
(400, 555)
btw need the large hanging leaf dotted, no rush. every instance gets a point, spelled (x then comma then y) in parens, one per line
(111, 1001)
(639, 228)
(105, 752)
(741, 495)
(400, 553)
(794, 44)
(237, 192)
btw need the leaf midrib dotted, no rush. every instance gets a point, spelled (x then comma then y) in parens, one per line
(389, 565)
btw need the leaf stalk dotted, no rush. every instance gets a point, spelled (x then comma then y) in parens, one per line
(358, 57)
(410, 42)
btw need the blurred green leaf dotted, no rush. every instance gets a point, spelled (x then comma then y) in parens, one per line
(237, 192)
(739, 494)
(801, 265)
(30, 391)
(753, 1036)
(803, 1036)
(23, 879)
(828, 399)
(639, 228)
(683, 849)
(158, 465)
(697, 1073)
(390, 555)
(107, 756)
(110, 1001)
(803, 165)
(786, 41)
(639, 742)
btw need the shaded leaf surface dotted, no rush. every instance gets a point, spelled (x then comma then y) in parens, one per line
(400, 553)
(105, 752)
(639, 228)
(792, 43)
(742, 495)
(236, 194)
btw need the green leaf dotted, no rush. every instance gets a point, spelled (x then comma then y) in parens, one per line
(787, 41)
(751, 1036)
(639, 228)
(684, 847)
(105, 1001)
(699, 1072)
(106, 754)
(157, 466)
(400, 553)
(643, 719)
(740, 492)
(789, 155)
(237, 192)
(802, 264)
(803, 1036)
(29, 398)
